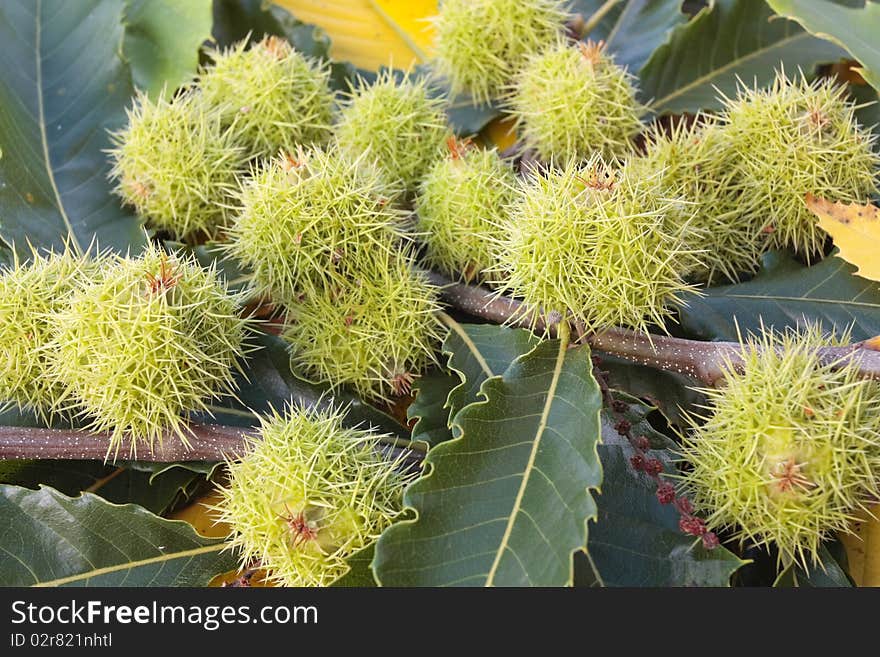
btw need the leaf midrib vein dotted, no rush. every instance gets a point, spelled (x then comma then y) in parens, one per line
(696, 82)
(162, 558)
(759, 297)
(472, 347)
(545, 414)
(41, 122)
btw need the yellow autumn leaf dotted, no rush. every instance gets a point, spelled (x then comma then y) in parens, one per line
(863, 549)
(374, 33)
(197, 514)
(501, 131)
(855, 230)
(371, 33)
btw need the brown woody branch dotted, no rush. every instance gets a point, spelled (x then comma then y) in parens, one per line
(701, 360)
(208, 442)
(704, 361)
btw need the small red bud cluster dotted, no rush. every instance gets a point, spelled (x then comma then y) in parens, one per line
(688, 523)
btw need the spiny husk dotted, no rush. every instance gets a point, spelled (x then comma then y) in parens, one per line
(397, 123)
(308, 494)
(31, 294)
(463, 202)
(793, 139)
(573, 101)
(480, 44)
(694, 161)
(271, 96)
(789, 450)
(376, 332)
(598, 244)
(150, 340)
(176, 165)
(310, 219)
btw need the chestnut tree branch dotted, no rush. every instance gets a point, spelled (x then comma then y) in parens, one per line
(703, 361)
(208, 442)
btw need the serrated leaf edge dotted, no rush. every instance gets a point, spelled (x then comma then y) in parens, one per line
(446, 446)
(218, 546)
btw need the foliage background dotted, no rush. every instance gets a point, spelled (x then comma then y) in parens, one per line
(61, 90)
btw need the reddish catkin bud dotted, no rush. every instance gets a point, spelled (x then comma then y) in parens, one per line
(637, 461)
(665, 493)
(710, 541)
(653, 466)
(618, 406)
(643, 443)
(684, 506)
(623, 427)
(692, 525)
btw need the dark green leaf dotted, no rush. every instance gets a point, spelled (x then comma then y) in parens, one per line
(468, 118)
(479, 351)
(853, 28)
(636, 541)
(68, 477)
(236, 19)
(787, 294)
(54, 540)
(669, 392)
(157, 492)
(156, 488)
(270, 382)
(507, 503)
(636, 414)
(157, 469)
(733, 38)
(361, 573)
(430, 409)
(633, 29)
(828, 573)
(63, 85)
(474, 352)
(162, 41)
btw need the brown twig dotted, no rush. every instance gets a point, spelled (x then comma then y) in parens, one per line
(704, 361)
(208, 442)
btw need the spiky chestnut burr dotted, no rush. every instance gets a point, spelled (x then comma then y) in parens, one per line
(397, 123)
(695, 162)
(480, 44)
(375, 333)
(308, 494)
(462, 202)
(596, 243)
(149, 341)
(176, 166)
(272, 96)
(572, 100)
(793, 139)
(30, 295)
(789, 450)
(308, 219)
